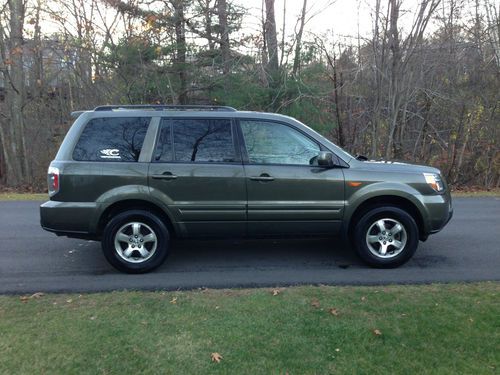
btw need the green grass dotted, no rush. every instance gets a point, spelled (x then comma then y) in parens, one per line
(433, 329)
(23, 196)
(44, 196)
(476, 193)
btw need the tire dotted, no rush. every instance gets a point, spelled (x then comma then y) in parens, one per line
(387, 248)
(135, 241)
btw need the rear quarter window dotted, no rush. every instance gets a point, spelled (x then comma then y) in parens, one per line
(116, 139)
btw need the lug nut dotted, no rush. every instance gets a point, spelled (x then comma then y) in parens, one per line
(390, 239)
(385, 242)
(380, 238)
(135, 236)
(133, 246)
(142, 240)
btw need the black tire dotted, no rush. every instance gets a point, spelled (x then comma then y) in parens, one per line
(148, 219)
(368, 219)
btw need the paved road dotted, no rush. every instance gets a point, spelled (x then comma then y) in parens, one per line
(32, 260)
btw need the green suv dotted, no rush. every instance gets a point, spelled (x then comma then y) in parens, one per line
(134, 177)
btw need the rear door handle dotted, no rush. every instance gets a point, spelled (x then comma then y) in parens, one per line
(164, 176)
(262, 177)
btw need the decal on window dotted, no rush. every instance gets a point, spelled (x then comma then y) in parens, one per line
(110, 153)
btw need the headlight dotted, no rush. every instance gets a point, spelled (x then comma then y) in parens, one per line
(435, 182)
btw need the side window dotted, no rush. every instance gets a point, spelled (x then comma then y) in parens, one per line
(112, 139)
(164, 151)
(203, 140)
(274, 143)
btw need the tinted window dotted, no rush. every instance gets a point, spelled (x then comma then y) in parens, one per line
(274, 143)
(203, 140)
(112, 139)
(164, 150)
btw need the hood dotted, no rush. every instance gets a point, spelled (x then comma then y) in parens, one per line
(394, 166)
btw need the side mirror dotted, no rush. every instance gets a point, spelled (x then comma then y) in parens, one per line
(325, 159)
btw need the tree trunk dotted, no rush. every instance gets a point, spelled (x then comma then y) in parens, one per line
(180, 58)
(298, 41)
(271, 38)
(15, 154)
(224, 36)
(208, 24)
(394, 92)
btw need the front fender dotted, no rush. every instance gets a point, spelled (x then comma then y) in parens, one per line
(383, 189)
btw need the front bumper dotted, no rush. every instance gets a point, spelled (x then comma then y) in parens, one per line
(439, 211)
(72, 219)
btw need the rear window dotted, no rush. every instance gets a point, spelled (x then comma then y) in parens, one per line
(112, 139)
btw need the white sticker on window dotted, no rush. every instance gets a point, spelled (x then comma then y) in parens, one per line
(110, 153)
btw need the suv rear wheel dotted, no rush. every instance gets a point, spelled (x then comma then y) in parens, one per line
(386, 237)
(135, 241)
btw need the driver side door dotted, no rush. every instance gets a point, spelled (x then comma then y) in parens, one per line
(287, 193)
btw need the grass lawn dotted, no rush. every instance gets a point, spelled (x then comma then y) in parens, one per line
(44, 196)
(24, 196)
(432, 329)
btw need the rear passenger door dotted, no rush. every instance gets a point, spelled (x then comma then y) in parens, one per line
(197, 171)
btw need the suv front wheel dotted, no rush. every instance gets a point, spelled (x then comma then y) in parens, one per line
(386, 237)
(135, 241)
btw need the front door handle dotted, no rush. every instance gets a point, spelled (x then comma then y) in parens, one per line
(262, 177)
(164, 176)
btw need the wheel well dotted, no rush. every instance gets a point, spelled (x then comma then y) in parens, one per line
(390, 200)
(134, 204)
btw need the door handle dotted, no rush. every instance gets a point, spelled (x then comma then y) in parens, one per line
(262, 177)
(164, 176)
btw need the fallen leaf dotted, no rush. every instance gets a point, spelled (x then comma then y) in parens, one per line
(69, 300)
(337, 350)
(275, 292)
(216, 357)
(315, 303)
(377, 332)
(174, 300)
(92, 318)
(333, 311)
(363, 298)
(34, 295)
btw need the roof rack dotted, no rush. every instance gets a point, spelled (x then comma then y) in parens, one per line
(166, 107)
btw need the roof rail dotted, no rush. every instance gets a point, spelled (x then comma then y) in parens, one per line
(166, 107)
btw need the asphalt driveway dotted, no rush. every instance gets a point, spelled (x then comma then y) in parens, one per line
(33, 260)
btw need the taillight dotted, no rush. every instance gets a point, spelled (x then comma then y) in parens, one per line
(53, 180)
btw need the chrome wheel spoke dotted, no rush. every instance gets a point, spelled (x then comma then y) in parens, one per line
(136, 229)
(128, 252)
(373, 239)
(151, 237)
(122, 237)
(397, 244)
(396, 229)
(143, 251)
(383, 249)
(381, 225)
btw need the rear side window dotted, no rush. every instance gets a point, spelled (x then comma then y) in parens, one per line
(196, 140)
(112, 139)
